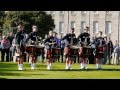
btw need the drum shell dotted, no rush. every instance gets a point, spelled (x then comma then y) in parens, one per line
(73, 52)
(56, 52)
(100, 52)
(40, 51)
(86, 50)
(30, 49)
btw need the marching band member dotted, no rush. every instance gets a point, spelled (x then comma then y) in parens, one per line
(34, 37)
(84, 37)
(20, 41)
(99, 43)
(69, 39)
(50, 43)
(84, 40)
(57, 43)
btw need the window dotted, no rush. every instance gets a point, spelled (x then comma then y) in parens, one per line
(61, 27)
(108, 27)
(73, 12)
(108, 11)
(61, 12)
(52, 12)
(83, 26)
(95, 12)
(83, 12)
(95, 26)
(72, 24)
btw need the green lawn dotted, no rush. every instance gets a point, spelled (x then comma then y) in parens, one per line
(8, 70)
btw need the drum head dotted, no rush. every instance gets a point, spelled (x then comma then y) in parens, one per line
(40, 46)
(74, 47)
(30, 45)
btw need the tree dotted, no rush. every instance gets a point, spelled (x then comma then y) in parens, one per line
(43, 20)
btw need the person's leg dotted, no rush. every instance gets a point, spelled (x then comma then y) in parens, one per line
(105, 58)
(49, 60)
(7, 55)
(62, 52)
(10, 55)
(34, 60)
(2, 55)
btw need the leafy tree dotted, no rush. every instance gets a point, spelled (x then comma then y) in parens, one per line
(43, 20)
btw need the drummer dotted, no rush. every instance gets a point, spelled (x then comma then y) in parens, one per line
(99, 42)
(20, 45)
(84, 37)
(57, 43)
(69, 39)
(50, 43)
(84, 40)
(33, 37)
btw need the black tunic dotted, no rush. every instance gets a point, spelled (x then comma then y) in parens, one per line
(33, 36)
(20, 38)
(70, 39)
(49, 40)
(82, 36)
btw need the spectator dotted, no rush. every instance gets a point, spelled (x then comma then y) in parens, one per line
(116, 54)
(10, 38)
(5, 44)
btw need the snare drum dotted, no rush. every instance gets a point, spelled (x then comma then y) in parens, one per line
(30, 49)
(56, 52)
(40, 50)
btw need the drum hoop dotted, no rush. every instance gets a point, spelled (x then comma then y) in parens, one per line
(30, 45)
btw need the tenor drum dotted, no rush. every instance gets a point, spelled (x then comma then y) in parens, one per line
(87, 50)
(40, 50)
(56, 52)
(100, 52)
(30, 49)
(73, 51)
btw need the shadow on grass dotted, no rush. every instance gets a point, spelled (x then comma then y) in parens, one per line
(9, 74)
(7, 65)
(2, 78)
(84, 70)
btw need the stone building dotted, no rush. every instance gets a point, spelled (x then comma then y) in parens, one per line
(105, 21)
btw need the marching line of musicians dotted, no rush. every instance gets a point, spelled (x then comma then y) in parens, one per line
(69, 46)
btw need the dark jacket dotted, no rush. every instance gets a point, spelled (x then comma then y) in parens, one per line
(70, 39)
(82, 36)
(20, 37)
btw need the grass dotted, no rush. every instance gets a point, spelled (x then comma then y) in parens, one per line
(8, 70)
